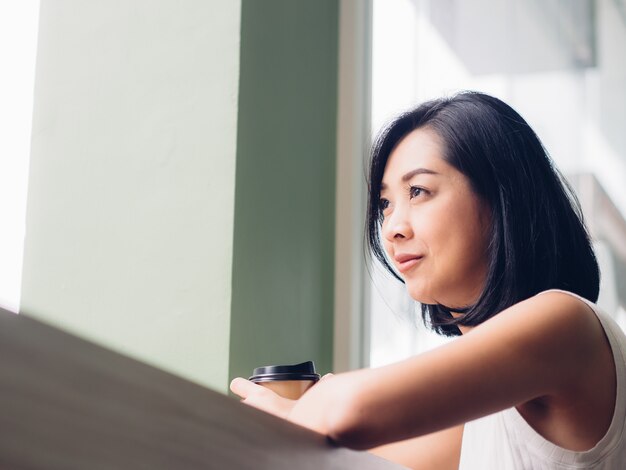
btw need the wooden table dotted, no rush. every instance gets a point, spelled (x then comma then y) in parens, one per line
(66, 403)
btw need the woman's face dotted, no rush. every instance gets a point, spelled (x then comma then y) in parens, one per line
(435, 228)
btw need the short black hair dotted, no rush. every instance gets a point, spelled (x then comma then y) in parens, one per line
(538, 239)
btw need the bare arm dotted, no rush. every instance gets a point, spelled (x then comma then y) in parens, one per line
(537, 348)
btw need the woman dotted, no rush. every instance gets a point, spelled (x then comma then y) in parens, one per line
(467, 210)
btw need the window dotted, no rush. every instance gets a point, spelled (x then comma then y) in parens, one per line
(560, 64)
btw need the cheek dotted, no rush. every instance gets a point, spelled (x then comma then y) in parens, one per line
(457, 245)
(468, 260)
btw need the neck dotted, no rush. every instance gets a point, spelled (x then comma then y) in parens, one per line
(464, 329)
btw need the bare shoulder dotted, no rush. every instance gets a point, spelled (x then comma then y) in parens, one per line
(555, 324)
(550, 307)
(561, 345)
(570, 353)
(554, 339)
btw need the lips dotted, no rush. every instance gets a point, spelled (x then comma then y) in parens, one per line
(406, 261)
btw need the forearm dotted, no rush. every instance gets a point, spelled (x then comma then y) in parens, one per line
(328, 407)
(339, 408)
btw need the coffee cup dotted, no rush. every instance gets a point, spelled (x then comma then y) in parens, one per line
(288, 381)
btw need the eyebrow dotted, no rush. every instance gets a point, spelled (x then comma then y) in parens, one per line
(411, 174)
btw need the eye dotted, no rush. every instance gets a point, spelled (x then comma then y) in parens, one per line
(415, 191)
(383, 204)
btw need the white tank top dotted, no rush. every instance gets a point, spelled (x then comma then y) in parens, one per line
(505, 441)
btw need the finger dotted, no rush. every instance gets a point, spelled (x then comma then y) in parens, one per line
(242, 387)
(326, 376)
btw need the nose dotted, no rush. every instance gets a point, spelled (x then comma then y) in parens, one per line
(396, 225)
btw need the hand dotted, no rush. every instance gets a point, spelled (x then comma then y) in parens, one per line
(262, 398)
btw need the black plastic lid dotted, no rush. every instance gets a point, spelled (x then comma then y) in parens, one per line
(303, 371)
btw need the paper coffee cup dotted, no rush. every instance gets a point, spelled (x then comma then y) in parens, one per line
(289, 381)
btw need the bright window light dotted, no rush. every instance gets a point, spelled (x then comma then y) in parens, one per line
(18, 46)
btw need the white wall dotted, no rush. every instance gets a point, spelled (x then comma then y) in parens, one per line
(131, 190)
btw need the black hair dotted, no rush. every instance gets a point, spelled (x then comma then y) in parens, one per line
(538, 239)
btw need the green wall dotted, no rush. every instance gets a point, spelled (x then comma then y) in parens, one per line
(182, 179)
(282, 290)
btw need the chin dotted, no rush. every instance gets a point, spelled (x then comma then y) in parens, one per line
(419, 294)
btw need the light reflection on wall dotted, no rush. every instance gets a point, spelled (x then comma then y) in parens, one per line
(18, 44)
